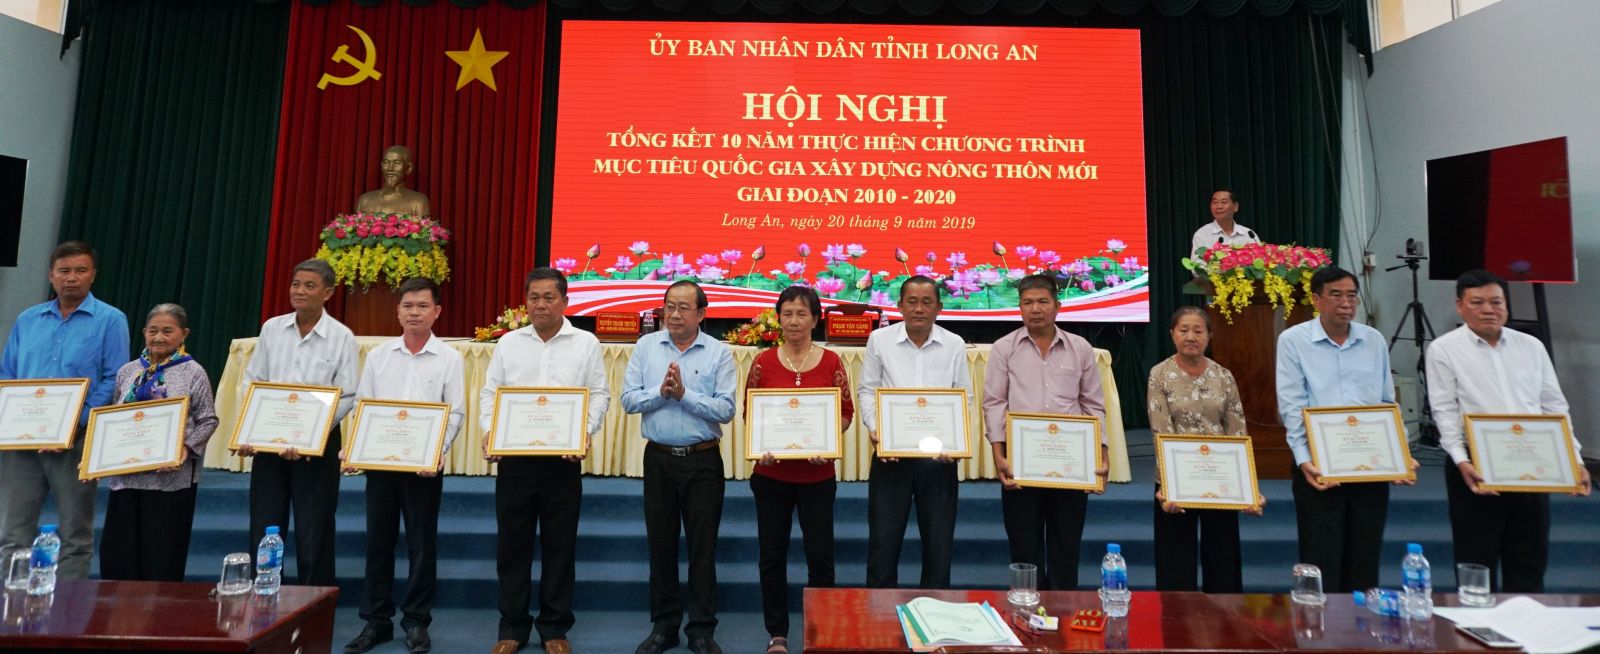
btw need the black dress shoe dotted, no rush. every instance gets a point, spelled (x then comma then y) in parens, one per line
(417, 640)
(369, 638)
(656, 644)
(704, 646)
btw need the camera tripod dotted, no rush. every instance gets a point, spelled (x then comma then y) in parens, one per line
(1421, 333)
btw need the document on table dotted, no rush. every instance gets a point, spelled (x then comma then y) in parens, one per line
(1539, 629)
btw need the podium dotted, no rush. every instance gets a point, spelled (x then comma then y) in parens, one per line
(1248, 348)
(371, 312)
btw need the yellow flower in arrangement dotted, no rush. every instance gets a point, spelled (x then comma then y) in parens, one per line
(1235, 271)
(762, 331)
(366, 249)
(512, 319)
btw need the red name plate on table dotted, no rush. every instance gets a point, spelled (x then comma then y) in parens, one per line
(849, 330)
(617, 327)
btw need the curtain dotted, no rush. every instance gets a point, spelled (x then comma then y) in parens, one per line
(475, 147)
(170, 175)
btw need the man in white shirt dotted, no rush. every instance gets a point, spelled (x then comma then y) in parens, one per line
(915, 353)
(1222, 228)
(535, 494)
(417, 367)
(305, 347)
(1483, 367)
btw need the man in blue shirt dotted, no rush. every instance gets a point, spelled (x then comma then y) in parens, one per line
(683, 381)
(1334, 361)
(74, 335)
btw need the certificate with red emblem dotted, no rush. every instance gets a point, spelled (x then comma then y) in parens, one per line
(281, 417)
(1047, 450)
(1207, 472)
(134, 437)
(1523, 453)
(924, 422)
(1359, 443)
(537, 421)
(398, 436)
(799, 423)
(37, 414)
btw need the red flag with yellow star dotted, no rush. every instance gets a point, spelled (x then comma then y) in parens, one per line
(460, 88)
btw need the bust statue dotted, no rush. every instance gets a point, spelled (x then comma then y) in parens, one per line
(394, 197)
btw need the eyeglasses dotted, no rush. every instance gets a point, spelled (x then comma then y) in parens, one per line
(1342, 298)
(679, 308)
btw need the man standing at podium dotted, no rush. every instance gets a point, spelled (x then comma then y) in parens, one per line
(1222, 228)
(1334, 361)
(1482, 367)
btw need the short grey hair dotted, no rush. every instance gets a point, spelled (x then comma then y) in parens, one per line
(176, 311)
(317, 266)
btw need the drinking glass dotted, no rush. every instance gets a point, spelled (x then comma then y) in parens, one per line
(1472, 585)
(1307, 585)
(1024, 585)
(235, 574)
(17, 571)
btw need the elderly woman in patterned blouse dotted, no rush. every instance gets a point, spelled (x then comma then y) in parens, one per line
(1191, 394)
(150, 514)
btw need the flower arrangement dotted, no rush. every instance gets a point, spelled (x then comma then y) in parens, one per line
(510, 320)
(366, 249)
(969, 281)
(1234, 271)
(762, 331)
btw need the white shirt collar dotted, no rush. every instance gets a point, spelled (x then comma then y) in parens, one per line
(566, 330)
(432, 346)
(320, 329)
(904, 335)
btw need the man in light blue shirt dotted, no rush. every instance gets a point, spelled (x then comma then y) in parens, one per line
(683, 382)
(74, 335)
(1334, 361)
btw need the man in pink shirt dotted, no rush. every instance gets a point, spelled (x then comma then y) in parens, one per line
(1041, 369)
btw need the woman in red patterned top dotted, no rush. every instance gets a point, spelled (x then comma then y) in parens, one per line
(781, 488)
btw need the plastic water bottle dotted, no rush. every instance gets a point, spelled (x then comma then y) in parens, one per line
(1380, 601)
(42, 563)
(649, 323)
(883, 319)
(269, 563)
(1417, 580)
(1114, 594)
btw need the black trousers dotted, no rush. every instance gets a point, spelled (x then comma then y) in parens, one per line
(1218, 550)
(1341, 531)
(1045, 528)
(776, 504)
(891, 489)
(146, 534)
(310, 486)
(1508, 533)
(537, 498)
(686, 491)
(392, 496)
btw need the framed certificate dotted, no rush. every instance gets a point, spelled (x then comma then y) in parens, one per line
(797, 423)
(539, 422)
(134, 437)
(1359, 443)
(923, 422)
(280, 417)
(1523, 453)
(1048, 450)
(1207, 472)
(38, 414)
(398, 436)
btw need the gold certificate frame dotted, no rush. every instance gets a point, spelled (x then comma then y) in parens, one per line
(1351, 443)
(29, 412)
(1229, 455)
(362, 452)
(1504, 477)
(576, 429)
(260, 393)
(936, 404)
(760, 400)
(105, 456)
(1020, 427)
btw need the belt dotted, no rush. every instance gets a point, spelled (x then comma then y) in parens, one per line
(684, 450)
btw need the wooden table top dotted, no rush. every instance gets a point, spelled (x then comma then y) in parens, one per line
(145, 616)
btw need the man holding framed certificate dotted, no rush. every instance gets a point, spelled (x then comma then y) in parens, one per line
(74, 336)
(415, 368)
(1041, 369)
(1334, 361)
(538, 495)
(913, 354)
(1483, 367)
(305, 347)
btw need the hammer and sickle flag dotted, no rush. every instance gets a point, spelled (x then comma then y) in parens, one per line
(365, 68)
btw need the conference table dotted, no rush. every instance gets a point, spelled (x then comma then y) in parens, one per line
(618, 450)
(142, 616)
(863, 620)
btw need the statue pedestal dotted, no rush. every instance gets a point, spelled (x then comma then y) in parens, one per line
(1248, 348)
(370, 313)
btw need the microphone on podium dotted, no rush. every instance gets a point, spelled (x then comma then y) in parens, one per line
(1252, 234)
